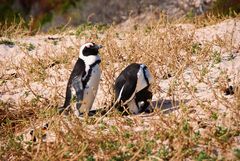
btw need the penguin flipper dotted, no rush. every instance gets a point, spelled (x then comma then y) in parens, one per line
(78, 87)
(76, 73)
(127, 85)
(76, 84)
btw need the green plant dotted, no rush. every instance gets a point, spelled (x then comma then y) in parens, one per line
(237, 153)
(30, 47)
(203, 156)
(7, 42)
(226, 7)
(195, 48)
(223, 133)
(216, 57)
(121, 156)
(164, 153)
(90, 26)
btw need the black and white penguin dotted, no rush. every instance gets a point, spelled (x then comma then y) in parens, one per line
(132, 92)
(83, 83)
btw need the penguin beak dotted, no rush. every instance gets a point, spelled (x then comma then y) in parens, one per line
(99, 46)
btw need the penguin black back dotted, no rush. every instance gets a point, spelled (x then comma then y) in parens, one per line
(127, 78)
(132, 88)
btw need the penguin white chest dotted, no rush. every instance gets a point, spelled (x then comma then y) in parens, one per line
(142, 82)
(91, 88)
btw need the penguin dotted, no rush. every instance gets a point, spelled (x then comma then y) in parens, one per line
(84, 80)
(132, 89)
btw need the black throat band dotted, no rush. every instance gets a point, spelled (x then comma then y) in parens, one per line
(90, 72)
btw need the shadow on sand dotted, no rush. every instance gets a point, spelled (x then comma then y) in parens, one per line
(167, 106)
(164, 105)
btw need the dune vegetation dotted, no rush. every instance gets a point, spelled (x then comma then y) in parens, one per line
(195, 62)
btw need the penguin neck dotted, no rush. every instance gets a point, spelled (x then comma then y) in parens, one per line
(90, 60)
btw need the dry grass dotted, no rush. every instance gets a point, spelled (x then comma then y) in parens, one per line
(200, 129)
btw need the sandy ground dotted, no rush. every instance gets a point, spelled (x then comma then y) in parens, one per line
(13, 55)
(226, 30)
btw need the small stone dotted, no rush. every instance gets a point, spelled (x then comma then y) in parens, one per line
(229, 90)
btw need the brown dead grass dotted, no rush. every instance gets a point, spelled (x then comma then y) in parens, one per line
(198, 130)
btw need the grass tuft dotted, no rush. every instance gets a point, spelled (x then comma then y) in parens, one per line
(187, 75)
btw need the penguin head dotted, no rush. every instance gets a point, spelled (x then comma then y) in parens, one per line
(89, 49)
